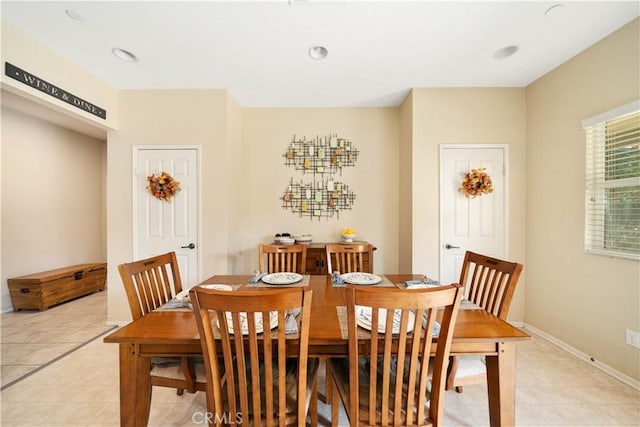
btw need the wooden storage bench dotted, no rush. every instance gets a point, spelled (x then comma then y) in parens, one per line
(40, 291)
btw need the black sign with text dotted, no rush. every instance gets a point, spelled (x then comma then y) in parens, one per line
(14, 72)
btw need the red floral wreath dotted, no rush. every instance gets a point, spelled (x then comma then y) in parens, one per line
(163, 187)
(476, 183)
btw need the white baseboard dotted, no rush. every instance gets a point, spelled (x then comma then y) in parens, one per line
(580, 355)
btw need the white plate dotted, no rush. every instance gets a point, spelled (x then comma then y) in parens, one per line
(182, 294)
(244, 325)
(423, 286)
(364, 317)
(217, 287)
(361, 278)
(282, 278)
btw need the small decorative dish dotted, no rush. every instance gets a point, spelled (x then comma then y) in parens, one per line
(358, 278)
(348, 238)
(282, 278)
(217, 287)
(364, 317)
(244, 324)
(303, 238)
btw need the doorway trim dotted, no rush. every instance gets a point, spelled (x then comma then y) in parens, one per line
(134, 194)
(507, 232)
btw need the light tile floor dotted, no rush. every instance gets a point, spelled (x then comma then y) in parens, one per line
(29, 339)
(81, 389)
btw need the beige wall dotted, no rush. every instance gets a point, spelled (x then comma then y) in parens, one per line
(235, 200)
(466, 116)
(374, 178)
(53, 212)
(169, 117)
(584, 300)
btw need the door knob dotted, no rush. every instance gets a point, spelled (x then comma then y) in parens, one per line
(189, 246)
(448, 246)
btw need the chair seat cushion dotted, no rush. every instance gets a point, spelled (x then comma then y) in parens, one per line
(471, 365)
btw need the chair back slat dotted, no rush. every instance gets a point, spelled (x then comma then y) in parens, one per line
(282, 258)
(398, 388)
(349, 258)
(490, 282)
(250, 328)
(149, 283)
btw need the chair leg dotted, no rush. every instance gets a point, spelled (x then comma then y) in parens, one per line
(335, 409)
(189, 373)
(328, 387)
(313, 410)
(452, 369)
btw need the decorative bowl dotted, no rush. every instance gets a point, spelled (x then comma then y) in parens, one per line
(285, 240)
(349, 237)
(303, 238)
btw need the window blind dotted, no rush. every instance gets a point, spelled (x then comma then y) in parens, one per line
(612, 206)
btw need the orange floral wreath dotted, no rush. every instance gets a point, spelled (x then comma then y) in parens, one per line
(476, 183)
(163, 187)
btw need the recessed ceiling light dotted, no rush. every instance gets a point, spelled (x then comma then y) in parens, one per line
(505, 52)
(125, 55)
(318, 52)
(73, 15)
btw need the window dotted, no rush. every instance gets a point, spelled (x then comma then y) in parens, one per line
(612, 205)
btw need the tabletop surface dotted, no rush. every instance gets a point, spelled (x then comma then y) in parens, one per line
(179, 327)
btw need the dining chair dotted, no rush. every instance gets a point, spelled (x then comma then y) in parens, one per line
(386, 380)
(349, 258)
(490, 284)
(268, 377)
(282, 258)
(149, 283)
(346, 258)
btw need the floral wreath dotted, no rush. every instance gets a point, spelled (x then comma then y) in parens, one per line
(162, 187)
(476, 183)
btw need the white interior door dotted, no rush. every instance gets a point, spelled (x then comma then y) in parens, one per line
(477, 224)
(164, 226)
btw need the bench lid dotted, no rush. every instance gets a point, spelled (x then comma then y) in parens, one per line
(58, 273)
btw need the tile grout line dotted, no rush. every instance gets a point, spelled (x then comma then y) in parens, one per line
(55, 359)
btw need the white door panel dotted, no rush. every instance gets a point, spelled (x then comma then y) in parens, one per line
(165, 226)
(477, 224)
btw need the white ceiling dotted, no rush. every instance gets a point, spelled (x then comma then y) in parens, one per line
(377, 50)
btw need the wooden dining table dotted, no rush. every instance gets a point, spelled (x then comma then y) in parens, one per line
(175, 333)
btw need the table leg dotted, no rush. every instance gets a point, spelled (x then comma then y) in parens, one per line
(135, 387)
(501, 385)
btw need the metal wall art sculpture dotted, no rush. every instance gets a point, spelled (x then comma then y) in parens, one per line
(322, 158)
